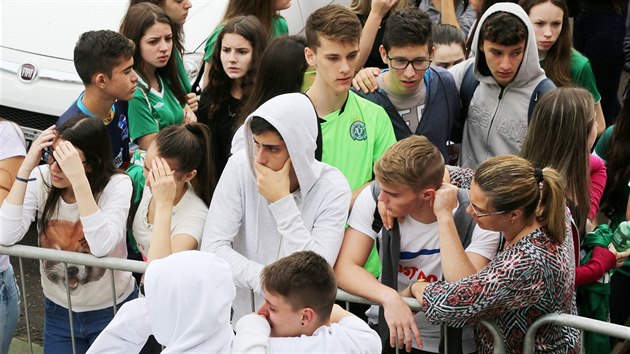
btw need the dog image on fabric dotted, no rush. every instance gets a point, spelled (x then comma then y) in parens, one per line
(68, 236)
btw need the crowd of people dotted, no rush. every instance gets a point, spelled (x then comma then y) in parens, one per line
(439, 150)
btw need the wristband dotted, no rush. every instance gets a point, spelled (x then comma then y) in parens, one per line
(412, 284)
(25, 180)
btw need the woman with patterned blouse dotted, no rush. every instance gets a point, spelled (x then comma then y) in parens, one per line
(532, 275)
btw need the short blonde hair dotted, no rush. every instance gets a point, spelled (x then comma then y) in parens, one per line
(414, 162)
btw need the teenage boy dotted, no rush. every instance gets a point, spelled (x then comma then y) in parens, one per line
(274, 198)
(505, 59)
(427, 247)
(419, 99)
(104, 61)
(354, 131)
(299, 313)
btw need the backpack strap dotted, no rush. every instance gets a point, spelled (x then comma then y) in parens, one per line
(467, 89)
(543, 87)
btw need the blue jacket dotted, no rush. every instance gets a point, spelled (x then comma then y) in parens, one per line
(441, 110)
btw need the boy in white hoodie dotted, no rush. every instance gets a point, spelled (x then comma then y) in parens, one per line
(299, 314)
(274, 198)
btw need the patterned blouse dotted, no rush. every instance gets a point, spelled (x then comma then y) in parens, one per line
(533, 277)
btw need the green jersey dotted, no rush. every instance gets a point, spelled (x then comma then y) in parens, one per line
(150, 110)
(354, 137)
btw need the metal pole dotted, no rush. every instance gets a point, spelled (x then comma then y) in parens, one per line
(28, 324)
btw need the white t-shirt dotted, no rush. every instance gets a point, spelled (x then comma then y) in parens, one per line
(12, 144)
(189, 218)
(420, 259)
(349, 335)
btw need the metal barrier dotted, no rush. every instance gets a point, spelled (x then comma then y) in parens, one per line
(582, 323)
(112, 263)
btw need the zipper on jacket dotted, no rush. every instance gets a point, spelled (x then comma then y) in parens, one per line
(494, 115)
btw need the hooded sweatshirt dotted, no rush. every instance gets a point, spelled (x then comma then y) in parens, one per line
(496, 123)
(250, 232)
(187, 310)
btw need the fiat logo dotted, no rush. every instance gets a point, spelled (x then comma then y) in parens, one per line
(27, 72)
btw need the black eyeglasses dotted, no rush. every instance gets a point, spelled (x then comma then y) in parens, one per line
(47, 156)
(399, 63)
(481, 215)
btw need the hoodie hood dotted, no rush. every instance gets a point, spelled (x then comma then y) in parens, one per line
(188, 300)
(530, 66)
(293, 115)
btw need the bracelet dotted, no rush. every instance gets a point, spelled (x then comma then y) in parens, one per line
(25, 180)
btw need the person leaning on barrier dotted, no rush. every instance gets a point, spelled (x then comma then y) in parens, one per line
(299, 314)
(431, 244)
(274, 198)
(81, 202)
(186, 308)
(532, 275)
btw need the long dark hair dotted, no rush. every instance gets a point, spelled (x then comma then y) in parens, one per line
(178, 30)
(263, 10)
(219, 84)
(617, 164)
(281, 70)
(557, 63)
(189, 146)
(90, 136)
(138, 19)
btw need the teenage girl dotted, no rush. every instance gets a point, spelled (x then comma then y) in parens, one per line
(81, 203)
(160, 99)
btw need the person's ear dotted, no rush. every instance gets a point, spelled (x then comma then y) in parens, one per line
(308, 316)
(100, 80)
(309, 54)
(383, 52)
(190, 175)
(514, 215)
(428, 194)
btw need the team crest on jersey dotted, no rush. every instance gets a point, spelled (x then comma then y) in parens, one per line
(358, 131)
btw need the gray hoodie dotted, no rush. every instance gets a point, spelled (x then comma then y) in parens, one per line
(248, 231)
(497, 117)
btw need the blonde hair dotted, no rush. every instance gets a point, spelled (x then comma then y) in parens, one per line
(511, 183)
(414, 162)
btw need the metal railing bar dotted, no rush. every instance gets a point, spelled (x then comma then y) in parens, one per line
(582, 323)
(73, 257)
(499, 345)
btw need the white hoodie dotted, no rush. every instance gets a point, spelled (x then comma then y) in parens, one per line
(248, 231)
(187, 308)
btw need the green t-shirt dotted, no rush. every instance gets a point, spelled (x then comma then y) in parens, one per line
(353, 138)
(181, 73)
(150, 112)
(582, 74)
(279, 28)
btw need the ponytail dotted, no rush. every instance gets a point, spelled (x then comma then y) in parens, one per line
(551, 208)
(189, 145)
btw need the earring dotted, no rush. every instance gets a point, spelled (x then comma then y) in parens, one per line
(302, 323)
